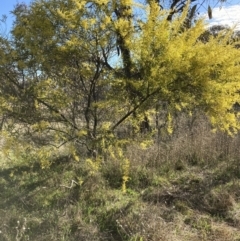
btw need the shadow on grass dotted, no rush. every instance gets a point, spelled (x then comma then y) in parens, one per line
(207, 192)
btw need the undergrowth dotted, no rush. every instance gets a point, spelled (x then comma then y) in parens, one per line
(185, 188)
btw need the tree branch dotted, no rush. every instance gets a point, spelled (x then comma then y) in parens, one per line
(58, 112)
(134, 109)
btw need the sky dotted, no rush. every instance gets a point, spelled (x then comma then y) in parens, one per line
(5, 8)
(227, 13)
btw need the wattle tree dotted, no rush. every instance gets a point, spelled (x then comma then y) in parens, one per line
(75, 72)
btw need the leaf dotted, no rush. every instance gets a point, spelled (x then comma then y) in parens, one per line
(209, 12)
(192, 12)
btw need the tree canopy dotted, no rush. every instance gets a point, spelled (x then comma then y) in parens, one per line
(76, 71)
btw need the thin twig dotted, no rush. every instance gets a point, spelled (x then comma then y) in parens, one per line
(71, 184)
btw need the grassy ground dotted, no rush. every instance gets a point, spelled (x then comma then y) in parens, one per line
(182, 200)
(187, 188)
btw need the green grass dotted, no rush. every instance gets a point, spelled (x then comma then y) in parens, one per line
(165, 200)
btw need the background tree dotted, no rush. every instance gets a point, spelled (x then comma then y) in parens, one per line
(78, 71)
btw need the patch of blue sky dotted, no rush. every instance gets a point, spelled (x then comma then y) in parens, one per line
(5, 10)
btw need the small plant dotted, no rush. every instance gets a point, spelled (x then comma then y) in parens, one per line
(6, 232)
(21, 230)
